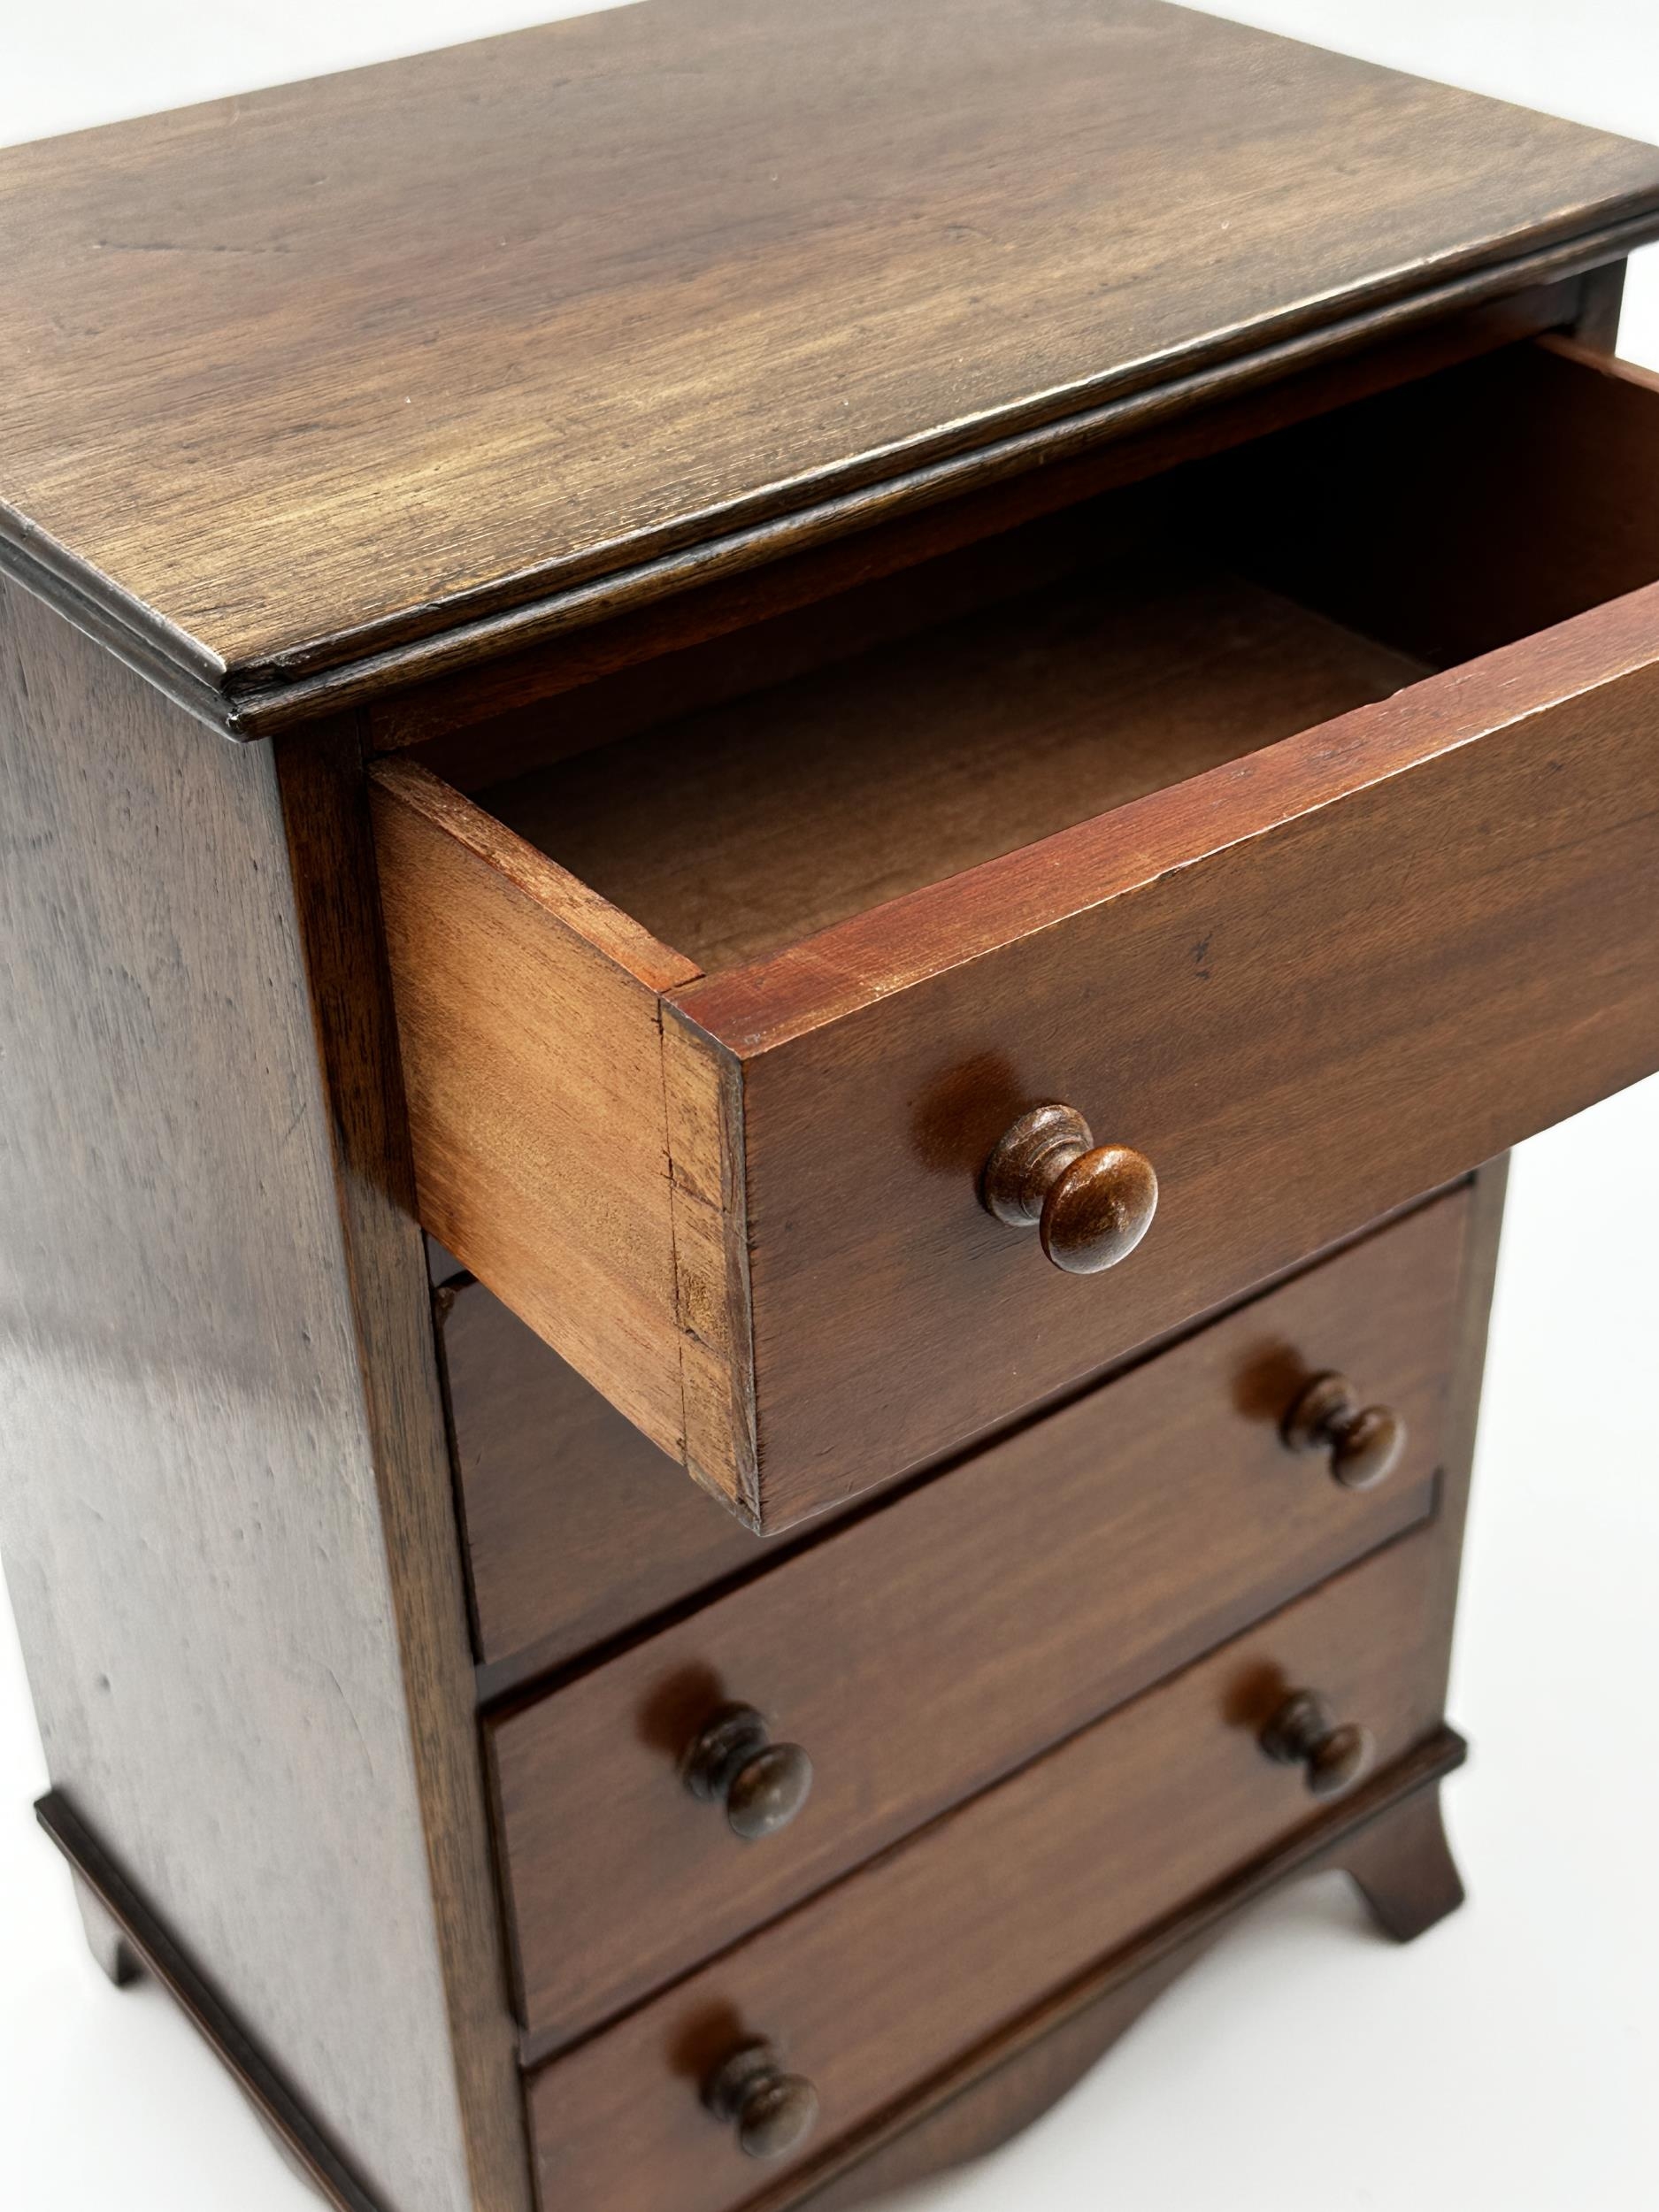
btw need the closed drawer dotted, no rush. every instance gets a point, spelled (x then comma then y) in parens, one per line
(923, 1652)
(876, 1984)
(710, 1030)
(574, 1526)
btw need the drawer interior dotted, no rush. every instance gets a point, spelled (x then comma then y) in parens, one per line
(737, 798)
(718, 977)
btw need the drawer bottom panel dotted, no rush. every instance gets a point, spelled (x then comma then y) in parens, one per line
(874, 1985)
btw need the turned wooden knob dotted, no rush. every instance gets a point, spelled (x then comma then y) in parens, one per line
(733, 1763)
(1304, 1733)
(1365, 1442)
(772, 2110)
(1092, 1203)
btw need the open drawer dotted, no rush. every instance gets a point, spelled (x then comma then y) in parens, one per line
(712, 1020)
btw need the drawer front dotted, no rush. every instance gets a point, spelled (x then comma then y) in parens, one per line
(927, 1650)
(575, 1526)
(880, 1981)
(1306, 985)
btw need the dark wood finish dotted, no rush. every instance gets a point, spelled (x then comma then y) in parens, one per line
(1531, 459)
(1332, 1755)
(1091, 1204)
(771, 2111)
(325, 824)
(1391, 1840)
(239, 1670)
(541, 1132)
(760, 1785)
(799, 611)
(1406, 1872)
(106, 1940)
(1600, 301)
(1468, 1350)
(876, 1985)
(1363, 1444)
(146, 1946)
(800, 258)
(1398, 914)
(576, 1527)
(852, 1085)
(971, 1623)
(898, 628)
(577, 1531)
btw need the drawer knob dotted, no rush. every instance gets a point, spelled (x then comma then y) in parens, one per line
(733, 1763)
(772, 2110)
(1092, 1203)
(1365, 1442)
(1305, 1732)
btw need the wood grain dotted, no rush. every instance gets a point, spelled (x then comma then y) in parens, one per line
(971, 1624)
(133, 1938)
(883, 1979)
(533, 1060)
(739, 830)
(227, 1657)
(1390, 1830)
(325, 804)
(1342, 967)
(1346, 968)
(765, 624)
(796, 257)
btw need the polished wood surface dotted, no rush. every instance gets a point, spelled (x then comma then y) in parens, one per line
(733, 1763)
(968, 1625)
(797, 255)
(853, 699)
(883, 1979)
(1363, 1444)
(681, 650)
(1391, 1843)
(771, 2110)
(1353, 965)
(1334, 1754)
(1091, 1204)
(853, 1084)
(228, 1546)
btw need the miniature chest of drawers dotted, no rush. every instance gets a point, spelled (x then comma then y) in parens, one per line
(793, 804)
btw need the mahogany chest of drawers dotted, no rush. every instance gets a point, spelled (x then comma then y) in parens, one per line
(793, 803)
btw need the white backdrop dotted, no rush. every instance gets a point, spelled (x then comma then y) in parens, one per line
(1304, 2066)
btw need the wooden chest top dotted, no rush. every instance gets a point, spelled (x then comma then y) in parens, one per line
(306, 391)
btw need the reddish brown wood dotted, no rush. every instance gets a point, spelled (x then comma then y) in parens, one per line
(1405, 907)
(1393, 1842)
(1091, 1204)
(926, 1649)
(1363, 1444)
(981, 731)
(875, 1985)
(1304, 985)
(576, 1527)
(1395, 1854)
